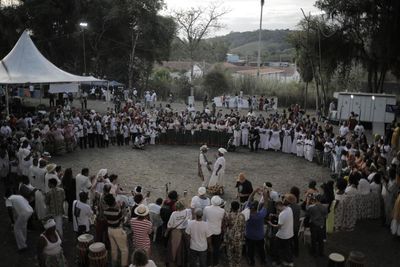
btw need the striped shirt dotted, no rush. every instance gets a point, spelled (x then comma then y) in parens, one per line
(113, 216)
(141, 230)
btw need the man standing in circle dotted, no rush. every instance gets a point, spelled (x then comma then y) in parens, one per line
(244, 188)
(217, 176)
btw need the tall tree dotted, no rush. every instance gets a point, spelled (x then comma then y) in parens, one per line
(197, 23)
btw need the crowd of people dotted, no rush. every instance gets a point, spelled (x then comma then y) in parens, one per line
(192, 229)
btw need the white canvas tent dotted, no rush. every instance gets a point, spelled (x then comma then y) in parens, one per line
(25, 64)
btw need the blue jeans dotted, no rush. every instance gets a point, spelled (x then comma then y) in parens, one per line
(198, 257)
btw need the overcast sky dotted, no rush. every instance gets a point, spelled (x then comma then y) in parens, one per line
(245, 14)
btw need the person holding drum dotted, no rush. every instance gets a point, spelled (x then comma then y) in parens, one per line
(49, 250)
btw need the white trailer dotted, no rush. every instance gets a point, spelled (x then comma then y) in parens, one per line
(369, 108)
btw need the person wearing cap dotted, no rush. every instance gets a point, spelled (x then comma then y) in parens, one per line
(22, 212)
(217, 176)
(201, 200)
(113, 213)
(318, 214)
(204, 165)
(141, 228)
(244, 188)
(49, 249)
(200, 241)
(214, 215)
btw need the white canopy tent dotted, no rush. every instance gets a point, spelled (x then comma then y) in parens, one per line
(25, 64)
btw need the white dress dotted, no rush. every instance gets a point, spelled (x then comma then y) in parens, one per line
(245, 133)
(263, 138)
(237, 136)
(275, 141)
(267, 141)
(294, 143)
(300, 145)
(309, 149)
(287, 142)
(218, 179)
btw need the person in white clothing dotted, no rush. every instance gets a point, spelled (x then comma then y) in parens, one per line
(51, 174)
(82, 182)
(22, 211)
(214, 215)
(82, 213)
(285, 233)
(200, 240)
(200, 201)
(217, 176)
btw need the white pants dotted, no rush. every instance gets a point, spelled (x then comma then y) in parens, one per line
(20, 230)
(245, 138)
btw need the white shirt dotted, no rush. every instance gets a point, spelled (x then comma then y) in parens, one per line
(199, 203)
(179, 219)
(364, 187)
(213, 215)
(84, 215)
(19, 204)
(154, 208)
(83, 184)
(344, 130)
(219, 161)
(199, 232)
(286, 221)
(150, 263)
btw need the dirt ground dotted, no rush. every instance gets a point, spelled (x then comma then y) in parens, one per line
(157, 165)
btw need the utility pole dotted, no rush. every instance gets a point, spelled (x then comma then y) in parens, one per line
(259, 41)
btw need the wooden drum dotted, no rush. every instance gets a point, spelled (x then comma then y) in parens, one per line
(356, 259)
(97, 255)
(84, 241)
(336, 260)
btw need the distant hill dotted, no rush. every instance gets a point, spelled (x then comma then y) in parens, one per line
(273, 47)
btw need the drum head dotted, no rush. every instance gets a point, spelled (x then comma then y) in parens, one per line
(85, 238)
(97, 247)
(336, 257)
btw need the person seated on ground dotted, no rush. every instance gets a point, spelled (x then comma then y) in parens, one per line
(139, 142)
(140, 259)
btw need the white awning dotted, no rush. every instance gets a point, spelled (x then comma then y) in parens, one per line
(56, 88)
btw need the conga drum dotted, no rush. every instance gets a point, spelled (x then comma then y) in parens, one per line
(336, 260)
(84, 241)
(97, 255)
(356, 259)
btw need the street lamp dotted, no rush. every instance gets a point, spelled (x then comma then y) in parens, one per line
(83, 26)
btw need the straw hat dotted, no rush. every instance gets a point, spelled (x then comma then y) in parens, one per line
(51, 167)
(142, 210)
(222, 150)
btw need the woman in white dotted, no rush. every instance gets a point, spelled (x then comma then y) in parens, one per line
(309, 148)
(263, 138)
(245, 133)
(300, 144)
(50, 253)
(287, 140)
(237, 135)
(204, 165)
(294, 143)
(275, 140)
(217, 176)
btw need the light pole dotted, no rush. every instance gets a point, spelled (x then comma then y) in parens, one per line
(259, 41)
(83, 26)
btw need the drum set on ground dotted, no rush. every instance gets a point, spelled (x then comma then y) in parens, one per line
(91, 254)
(355, 259)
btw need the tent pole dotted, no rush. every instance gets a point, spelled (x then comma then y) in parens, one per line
(108, 94)
(40, 92)
(7, 104)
